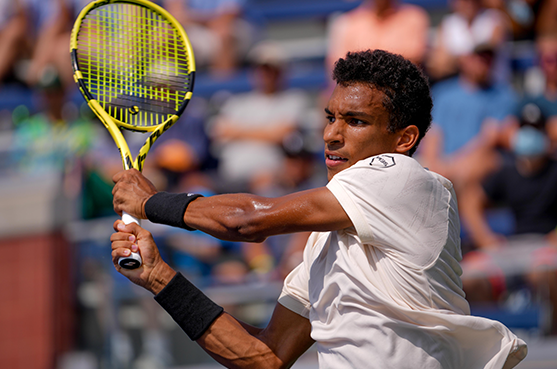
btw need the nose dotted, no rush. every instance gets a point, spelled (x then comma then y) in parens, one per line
(332, 134)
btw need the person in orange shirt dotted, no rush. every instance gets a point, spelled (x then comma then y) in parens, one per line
(380, 24)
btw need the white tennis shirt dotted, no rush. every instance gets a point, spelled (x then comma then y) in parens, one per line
(387, 293)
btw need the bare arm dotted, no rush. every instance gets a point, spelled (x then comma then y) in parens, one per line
(240, 217)
(473, 202)
(229, 341)
(236, 345)
(244, 217)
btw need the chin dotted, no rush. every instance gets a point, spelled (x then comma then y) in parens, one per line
(331, 174)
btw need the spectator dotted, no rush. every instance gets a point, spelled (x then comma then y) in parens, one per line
(468, 25)
(380, 24)
(528, 18)
(186, 150)
(546, 96)
(526, 185)
(52, 22)
(52, 139)
(546, 15)
(217, 31)
(467, 115)
(250, 127)
(13, 27)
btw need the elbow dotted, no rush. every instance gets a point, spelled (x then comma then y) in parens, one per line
(245, 228)
(249, 232)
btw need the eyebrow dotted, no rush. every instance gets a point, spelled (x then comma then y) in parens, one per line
(351, 113)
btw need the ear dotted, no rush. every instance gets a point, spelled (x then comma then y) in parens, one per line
(407, 139)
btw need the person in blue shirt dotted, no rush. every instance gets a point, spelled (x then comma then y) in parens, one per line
(468, 115)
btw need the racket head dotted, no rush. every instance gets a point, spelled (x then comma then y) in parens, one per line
(132, 60)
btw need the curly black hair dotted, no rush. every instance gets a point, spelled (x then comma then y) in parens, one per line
(406, 88)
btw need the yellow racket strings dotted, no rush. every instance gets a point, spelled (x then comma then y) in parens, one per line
(134, 63)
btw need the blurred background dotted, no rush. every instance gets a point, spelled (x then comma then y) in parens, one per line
(254, 125)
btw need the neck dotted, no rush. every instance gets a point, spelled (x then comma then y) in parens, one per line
(381, 8)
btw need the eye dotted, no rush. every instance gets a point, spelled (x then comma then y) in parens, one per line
(330, 118)
(356, 122)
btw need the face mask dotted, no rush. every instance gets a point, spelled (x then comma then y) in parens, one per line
(530, 141)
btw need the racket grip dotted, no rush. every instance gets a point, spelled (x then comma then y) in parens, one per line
(134, 260)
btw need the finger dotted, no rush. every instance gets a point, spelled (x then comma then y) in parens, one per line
(120, 226)
(121, 236)
(115, 201)
(122, 245)
(119, 253)
(117, 176)
(116, 224)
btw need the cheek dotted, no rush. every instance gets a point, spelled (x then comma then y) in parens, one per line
(367, 148)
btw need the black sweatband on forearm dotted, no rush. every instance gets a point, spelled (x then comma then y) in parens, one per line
(169, 208)
(188, 306)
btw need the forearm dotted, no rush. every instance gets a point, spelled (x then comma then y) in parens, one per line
(472, 209)
(250, 218)
(231, 217)
(229, 341)
(236, 345)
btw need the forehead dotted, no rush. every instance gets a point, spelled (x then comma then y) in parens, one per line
(356, 97)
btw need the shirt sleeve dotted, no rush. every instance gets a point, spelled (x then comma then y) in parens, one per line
(295, 291)
(396, 205)
(294, 294)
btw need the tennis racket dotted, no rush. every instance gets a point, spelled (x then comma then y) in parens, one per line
(134, 65)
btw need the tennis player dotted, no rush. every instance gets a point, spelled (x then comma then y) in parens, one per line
(379, 285)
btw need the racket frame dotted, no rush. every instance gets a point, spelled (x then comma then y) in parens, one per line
(115, 126)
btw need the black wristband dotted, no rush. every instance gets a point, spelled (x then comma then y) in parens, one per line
(188, 306)
(169, 208)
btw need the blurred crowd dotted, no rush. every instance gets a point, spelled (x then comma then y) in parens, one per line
(492, 65)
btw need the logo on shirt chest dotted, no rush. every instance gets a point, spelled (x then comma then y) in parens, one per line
(384, 161)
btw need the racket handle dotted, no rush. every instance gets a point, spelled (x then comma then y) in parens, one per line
(134, 260)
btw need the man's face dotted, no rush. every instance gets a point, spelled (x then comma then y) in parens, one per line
(356, 127)
(476, 67)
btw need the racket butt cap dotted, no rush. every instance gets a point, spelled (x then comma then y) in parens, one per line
(131, 262)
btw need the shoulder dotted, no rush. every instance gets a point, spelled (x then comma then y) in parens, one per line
(382, 162)
(446, 85)
(234, 101)
(293, 95)
(445, 91)
(344, 19)
(391, 160)
(379, 170)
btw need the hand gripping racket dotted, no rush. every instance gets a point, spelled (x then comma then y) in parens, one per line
(134, 65)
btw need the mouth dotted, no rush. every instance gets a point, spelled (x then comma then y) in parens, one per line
(334, 160)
